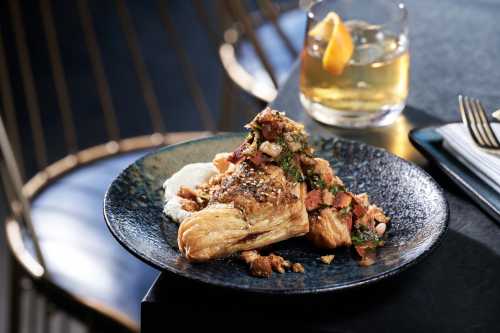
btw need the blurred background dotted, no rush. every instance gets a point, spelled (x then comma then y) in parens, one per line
(78, 79)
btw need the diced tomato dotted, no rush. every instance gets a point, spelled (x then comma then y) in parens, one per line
(328, 197)
(271, 129)
(237, 154)
(313, 200)
(342, 200)
(358, 210)
(347, 219)
(258, 158)
(267, 132)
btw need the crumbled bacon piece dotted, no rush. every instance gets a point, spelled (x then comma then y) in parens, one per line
(268, 132)
(327, 197)
(358, 210)
(278, 263)
(263, 266)
(327, 259)
(342, 200)
(187, 193)
(297, 268)
(237, 154)
(190, 205)
(347, 219)
(313, 200)
(258, 159)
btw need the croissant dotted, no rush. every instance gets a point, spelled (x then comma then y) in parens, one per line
(250, 209)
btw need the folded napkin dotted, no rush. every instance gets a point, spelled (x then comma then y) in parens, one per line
(458, 142)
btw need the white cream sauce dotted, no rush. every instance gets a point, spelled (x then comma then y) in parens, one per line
(190, 175)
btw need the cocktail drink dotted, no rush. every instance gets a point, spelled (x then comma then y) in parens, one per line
(355, 62)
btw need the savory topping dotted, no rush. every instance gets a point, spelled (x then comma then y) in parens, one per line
(269, 189)
(327, 259)
(263, 266)
(297, 268)
(221, 162)
(313, 200)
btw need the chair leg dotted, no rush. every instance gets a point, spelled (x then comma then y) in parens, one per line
(64, 324)
(14, 297)
(47, 316)
(29, 306)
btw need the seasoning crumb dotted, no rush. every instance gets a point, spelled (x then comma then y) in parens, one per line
(327, 259)
(297, 268)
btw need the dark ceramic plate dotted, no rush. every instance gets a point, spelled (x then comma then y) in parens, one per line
(419, 212)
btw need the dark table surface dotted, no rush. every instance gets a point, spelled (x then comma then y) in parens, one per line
(456, 288)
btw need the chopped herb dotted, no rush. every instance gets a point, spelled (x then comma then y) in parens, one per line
(314, 180)
(345, 210)
(337, 188)
(281, 141)
(360, 237)
(287, 162)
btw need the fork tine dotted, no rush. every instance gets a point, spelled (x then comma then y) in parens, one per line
(475, 122)
(479, 123)
(484, 120)
(466, 118)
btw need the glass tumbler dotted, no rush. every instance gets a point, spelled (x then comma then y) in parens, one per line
(355, 62)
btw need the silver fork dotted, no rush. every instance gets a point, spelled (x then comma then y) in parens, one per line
(476, 120)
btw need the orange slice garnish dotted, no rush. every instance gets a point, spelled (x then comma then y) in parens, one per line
(340, 46)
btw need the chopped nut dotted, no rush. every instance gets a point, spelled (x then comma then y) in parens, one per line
(380, 229)
(261, 267)
(342, 200)
(277, 262)
(297, 267)
(271, 149)
(366, 261)
(221, 162)
(327, 259)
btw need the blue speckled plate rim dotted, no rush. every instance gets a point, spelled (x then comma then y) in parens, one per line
(290, 291)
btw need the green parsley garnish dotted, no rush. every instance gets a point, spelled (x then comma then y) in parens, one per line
(287, 163)
(345, 210)
(360, 237)
(337, 188)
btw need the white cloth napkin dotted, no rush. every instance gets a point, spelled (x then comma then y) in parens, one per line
(458, 142)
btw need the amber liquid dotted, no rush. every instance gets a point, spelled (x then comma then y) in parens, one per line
(376, 77)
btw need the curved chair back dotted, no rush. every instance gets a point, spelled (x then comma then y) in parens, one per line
(254, 29)
(71, 76)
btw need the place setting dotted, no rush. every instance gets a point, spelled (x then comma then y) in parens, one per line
(312, 165)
